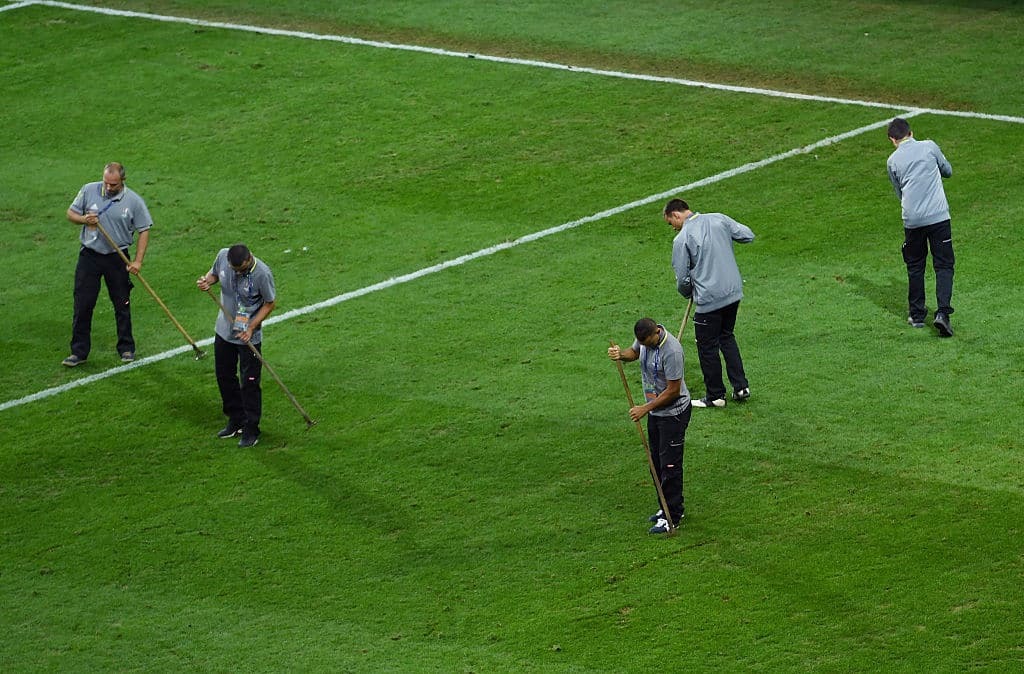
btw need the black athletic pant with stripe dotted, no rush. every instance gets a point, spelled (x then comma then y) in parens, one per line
(714, 332)
(238, 378)
(667, 436)
(916, 242)
(92, 267)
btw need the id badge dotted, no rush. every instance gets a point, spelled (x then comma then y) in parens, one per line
(241, 322)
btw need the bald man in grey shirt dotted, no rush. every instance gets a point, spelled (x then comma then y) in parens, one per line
(122, 214)
(916, 169)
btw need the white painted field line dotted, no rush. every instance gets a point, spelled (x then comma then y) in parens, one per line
(514, 61)
(16, 5)
(463, 259)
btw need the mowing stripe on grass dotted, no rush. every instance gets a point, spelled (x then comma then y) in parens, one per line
(514, 61)
(463, 259)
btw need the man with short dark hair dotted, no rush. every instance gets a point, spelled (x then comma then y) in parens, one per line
(706, 270)
(916, 169)
(247, 295)
(122, 213)
(667, 407)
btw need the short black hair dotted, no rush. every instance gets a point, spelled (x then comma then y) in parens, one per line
(644, 328)
(899, 129)
(676, 206)
(238, 254)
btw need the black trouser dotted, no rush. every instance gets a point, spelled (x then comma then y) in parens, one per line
(714, 333)
(916, 242)
(667, 436)
(243, 402)
(91, 267)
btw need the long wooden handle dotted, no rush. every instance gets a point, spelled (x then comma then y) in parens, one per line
(686, 316)
(199, 353)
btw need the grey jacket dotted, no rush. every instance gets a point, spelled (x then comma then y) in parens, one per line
(916, 169)
(704, 263)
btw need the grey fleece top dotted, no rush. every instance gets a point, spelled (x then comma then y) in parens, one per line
(704, 263)
(916, 169)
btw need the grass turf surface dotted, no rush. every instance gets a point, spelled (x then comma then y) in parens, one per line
(474, 496)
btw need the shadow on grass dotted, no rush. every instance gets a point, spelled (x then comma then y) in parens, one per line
(343, 495)
(194, 398)
(890, 296)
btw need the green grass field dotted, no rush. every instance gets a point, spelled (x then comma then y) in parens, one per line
(474, 497)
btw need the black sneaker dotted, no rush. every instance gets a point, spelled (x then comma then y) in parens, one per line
(942, 323)
(656, 516)
(229, 431)
(742, 394)
(915, 322)
(72, 361)
(248, 440)
(128, 357)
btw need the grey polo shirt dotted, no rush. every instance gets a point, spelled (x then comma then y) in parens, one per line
(121, 216)
(249, 291)
(657, 367)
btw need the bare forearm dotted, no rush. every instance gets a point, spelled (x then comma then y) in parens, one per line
(140, 248)
(264, 311)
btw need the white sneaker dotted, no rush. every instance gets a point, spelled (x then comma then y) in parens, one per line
(704, 402)
(660, 527)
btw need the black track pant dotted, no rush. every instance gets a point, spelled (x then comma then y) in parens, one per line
(916, 242)
(714, 334)
(667, 436)
(92, 267)
(243, 400)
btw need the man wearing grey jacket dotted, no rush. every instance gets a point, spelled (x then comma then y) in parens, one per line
(706, 271)
(916, 169)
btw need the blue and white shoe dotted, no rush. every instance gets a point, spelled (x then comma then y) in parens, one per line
(660, 527)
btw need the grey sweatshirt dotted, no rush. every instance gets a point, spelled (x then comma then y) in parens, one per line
(916, 169)
(704, 263)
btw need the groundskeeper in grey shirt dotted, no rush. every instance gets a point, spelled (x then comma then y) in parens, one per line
(245, 293)
(704, 263)
(914, 170)
(121, 216)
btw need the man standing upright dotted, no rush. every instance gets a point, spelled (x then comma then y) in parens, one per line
(122, 213)
(916, 169)
(706, 270)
